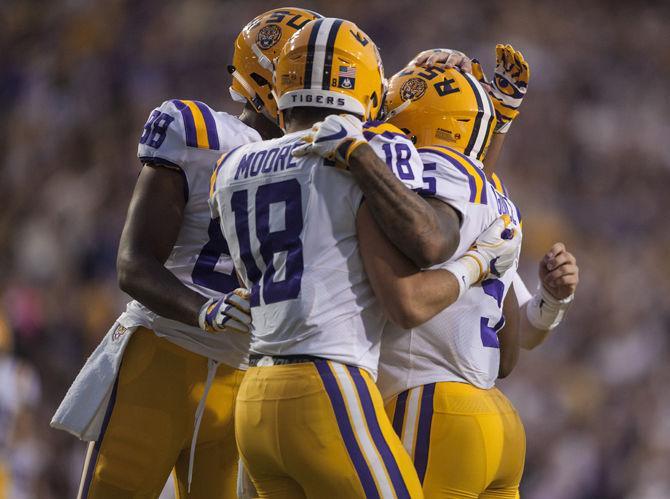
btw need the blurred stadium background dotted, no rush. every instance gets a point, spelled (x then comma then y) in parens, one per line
(588, 162)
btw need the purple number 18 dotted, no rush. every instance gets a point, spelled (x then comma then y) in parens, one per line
(271, 242)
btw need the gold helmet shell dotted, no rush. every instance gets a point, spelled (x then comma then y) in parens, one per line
(437, 106)
(257, 45)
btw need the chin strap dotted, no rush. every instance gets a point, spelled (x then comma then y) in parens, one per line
(255, 101)
(395, 112)
(262, 58)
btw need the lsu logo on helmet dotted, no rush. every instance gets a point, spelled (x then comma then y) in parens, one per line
(413, 89)
(257, 45)
(439, 106)
(330, 63)
(268, 36)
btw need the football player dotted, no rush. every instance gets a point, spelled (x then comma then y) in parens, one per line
(161, 386)
(438, 375)
(309, 419)
(558, 272)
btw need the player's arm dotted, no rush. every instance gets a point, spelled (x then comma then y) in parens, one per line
(507, 89)
(542, 312)
(427, 231)
(413, 225)
(152, 225)
(508, 336)
(411, 296)
(408, 295)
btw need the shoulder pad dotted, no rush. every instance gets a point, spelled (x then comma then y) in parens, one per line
(374, 128)
(498, 184)
(181, 131)
(399, 153)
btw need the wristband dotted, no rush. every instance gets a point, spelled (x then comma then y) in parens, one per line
(544, 311)
(202, 316)
(467, 269)
(346, 149)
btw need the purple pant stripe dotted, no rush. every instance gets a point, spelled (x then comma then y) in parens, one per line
(189, 123)
(423, 433)
(346, 430)
(377, 436)
(210, 124)
(98, 443)
(399, 414)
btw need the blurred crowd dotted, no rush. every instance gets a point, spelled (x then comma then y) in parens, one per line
(588, 162)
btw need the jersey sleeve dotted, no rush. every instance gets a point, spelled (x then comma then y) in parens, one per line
(163, 139)
(523, 295)
(397, 151)
(452, 179)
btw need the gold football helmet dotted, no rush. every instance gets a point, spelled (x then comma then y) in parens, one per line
(257, 45)
(330, 63)
(437, 106)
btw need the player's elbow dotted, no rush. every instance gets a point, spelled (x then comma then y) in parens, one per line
(436, 250)
(128, 272)
(405, 311)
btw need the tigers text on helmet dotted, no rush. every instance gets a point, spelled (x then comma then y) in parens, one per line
(330, 63)
(439, 106)
(257, 45)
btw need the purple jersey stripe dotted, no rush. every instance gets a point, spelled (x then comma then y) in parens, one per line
(210, 124)
(423, 432)
(399, 414)
(390, 463)
(347, 432)
(478, 171)
(461, 168)
(98, 443)
(189, 123)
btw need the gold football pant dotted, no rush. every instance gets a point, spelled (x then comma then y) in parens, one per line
(465, 442)
(149, 424)
(318, 430)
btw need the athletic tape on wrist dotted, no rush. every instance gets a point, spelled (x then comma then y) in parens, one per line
(545, 312)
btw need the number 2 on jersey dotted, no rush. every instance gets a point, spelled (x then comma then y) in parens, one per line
(204, 271)
(271, 242)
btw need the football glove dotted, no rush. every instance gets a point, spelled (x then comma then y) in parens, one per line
(334, 138)
(493, 253)
(230, 313)
(509, 84)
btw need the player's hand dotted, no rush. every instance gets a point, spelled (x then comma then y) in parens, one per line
(559, 273)
(334, 138)
(444, 58)
(230, 313)
(497, 248)
(509, 84)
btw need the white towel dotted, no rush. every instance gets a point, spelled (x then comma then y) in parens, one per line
(83, 409)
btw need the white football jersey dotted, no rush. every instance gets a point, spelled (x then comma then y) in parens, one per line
(461, 342)
(291, 228)
(189, 137)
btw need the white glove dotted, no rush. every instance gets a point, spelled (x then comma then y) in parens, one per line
(494, 252)
(230, 313)
(334, 138)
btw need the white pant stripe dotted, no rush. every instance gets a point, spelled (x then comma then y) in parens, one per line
(412, 414)
(360, 429)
